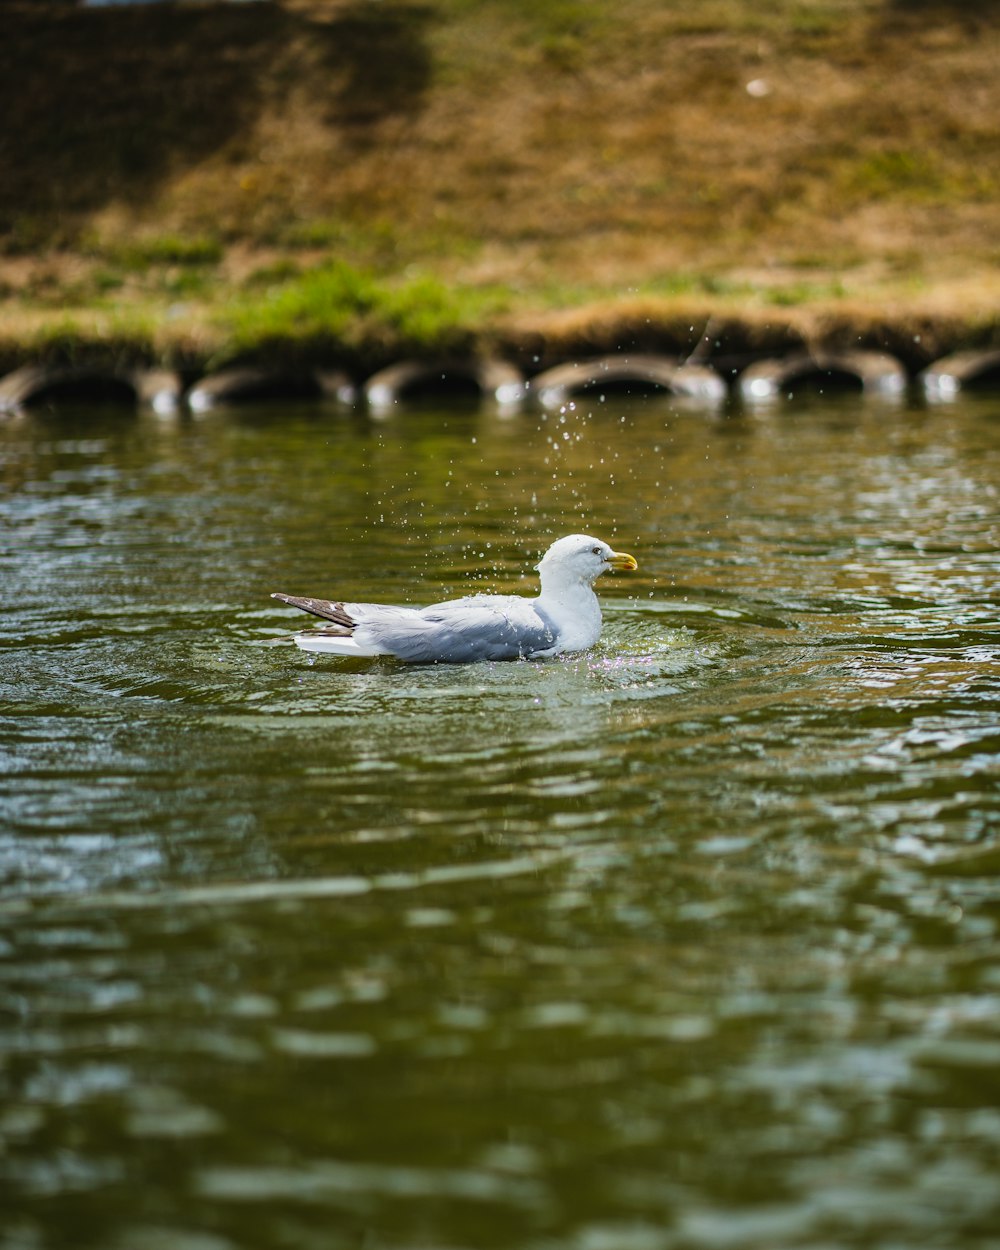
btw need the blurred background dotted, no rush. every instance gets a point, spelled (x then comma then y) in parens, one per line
(378, 175)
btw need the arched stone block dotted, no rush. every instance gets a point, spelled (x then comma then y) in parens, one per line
(874, 373)
(250, 384)
(961, 371)
(494, 380)
(33, 385)
(635, 375)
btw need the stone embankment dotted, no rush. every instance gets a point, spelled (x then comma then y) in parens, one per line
(501, 383)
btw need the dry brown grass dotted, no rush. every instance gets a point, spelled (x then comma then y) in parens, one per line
(602, 157)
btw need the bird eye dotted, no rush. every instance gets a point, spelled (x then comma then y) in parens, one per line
(597, 551)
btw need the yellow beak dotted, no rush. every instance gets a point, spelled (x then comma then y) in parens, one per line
(623, 562)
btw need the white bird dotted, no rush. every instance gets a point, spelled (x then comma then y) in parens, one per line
(565, 616)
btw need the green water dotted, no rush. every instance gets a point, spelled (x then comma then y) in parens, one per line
(689, 943)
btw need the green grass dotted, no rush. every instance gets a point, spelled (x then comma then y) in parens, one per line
(324, 302)
(894, 172)
(144, 252)
(345, 306)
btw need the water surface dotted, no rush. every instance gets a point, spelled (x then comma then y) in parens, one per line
(688, 942)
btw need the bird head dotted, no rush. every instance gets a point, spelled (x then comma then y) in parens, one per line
(581, 558)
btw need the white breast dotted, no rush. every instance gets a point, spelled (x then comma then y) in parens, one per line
(576, 615)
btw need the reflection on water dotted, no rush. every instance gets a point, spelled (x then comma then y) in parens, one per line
(687, 942)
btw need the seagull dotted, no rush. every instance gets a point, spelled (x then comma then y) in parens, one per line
(564, 617)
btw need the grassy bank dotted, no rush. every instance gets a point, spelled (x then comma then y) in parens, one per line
(198, 182)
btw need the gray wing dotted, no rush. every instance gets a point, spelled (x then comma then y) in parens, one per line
(482, 627)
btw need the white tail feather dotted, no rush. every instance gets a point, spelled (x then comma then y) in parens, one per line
(334, 645)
